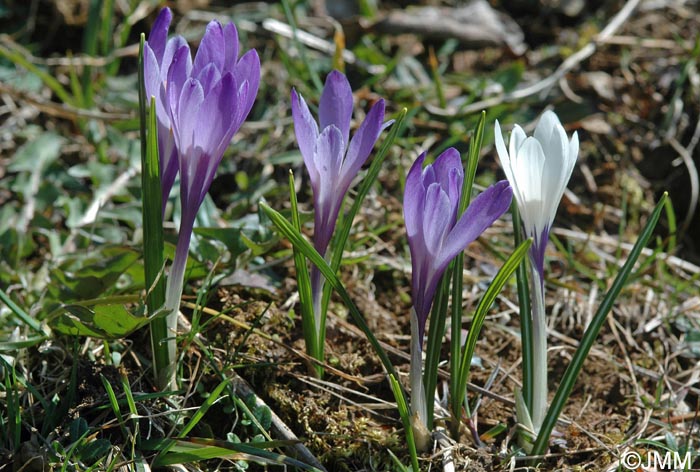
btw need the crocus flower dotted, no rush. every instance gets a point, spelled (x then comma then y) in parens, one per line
(539, 168)
(332, 158)
(158, 55)
(207, 101)
(435, 236)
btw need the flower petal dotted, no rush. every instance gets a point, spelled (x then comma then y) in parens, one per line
(445, 166)
(247, 70)
(450, 174)
(436, 217)
(306, 131)
(186, 117)
(486, 208)
(214, 124)
(529, 170)
(231, 47)
(362, 142)
(335, 107)
(151, 74)
(503, 155)
(208, 76)
(159, 33)
(517, 138)
(212, 48)
(328, 157)
(414, 199)
(546, 125)
(178, 74)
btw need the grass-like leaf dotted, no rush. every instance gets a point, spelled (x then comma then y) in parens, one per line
(525, 315)
(495, 287)
(199, 414)
(199, 449)
(22, 315)
(314, 340)
(112, 397)
(433, 349)
(455, 273)
(152, 213)
(405, 414)
(589, 337)
(299, 242)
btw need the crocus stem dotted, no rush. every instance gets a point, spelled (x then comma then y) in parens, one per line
(173, 293)
(539, 345)
(317, 283)
(419, 410)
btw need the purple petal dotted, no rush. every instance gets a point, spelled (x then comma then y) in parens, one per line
(216, 126)
(151, 73)
(363, 141)
(212, 48)
(306, 131)
(335, 107)
(481, 213)
(414, 199)
(178, 74)
(247, 70)
(208, 77)
(168, 161)
(225, 103)
(436, 217)
(159, 33)
(328, 157)
(231, 44)
(173, 46)
(444, 167)
(185, 117)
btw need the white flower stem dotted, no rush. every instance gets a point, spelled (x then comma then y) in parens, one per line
(173, 293)
(539, 345)
(419, 409)
(317, 282)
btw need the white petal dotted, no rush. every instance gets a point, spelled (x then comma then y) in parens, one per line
(517, 138)
(545, 127)
(528, 169)
(504, 157)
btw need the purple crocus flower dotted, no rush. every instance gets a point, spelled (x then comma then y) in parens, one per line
(207, 101)
(332, 158)
(435, 235)
(158, 55)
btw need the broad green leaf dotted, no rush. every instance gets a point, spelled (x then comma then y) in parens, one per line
(37, 154)
(87, 277)
(104, 321)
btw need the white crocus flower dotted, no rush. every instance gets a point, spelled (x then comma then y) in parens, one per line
(538, 168)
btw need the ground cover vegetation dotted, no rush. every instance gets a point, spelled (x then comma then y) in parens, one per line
(341, 177)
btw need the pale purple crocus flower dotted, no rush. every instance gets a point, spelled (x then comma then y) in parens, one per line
(539, 168)
(157, 56)
(436, 234)
(207, 101)
(332, 159)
